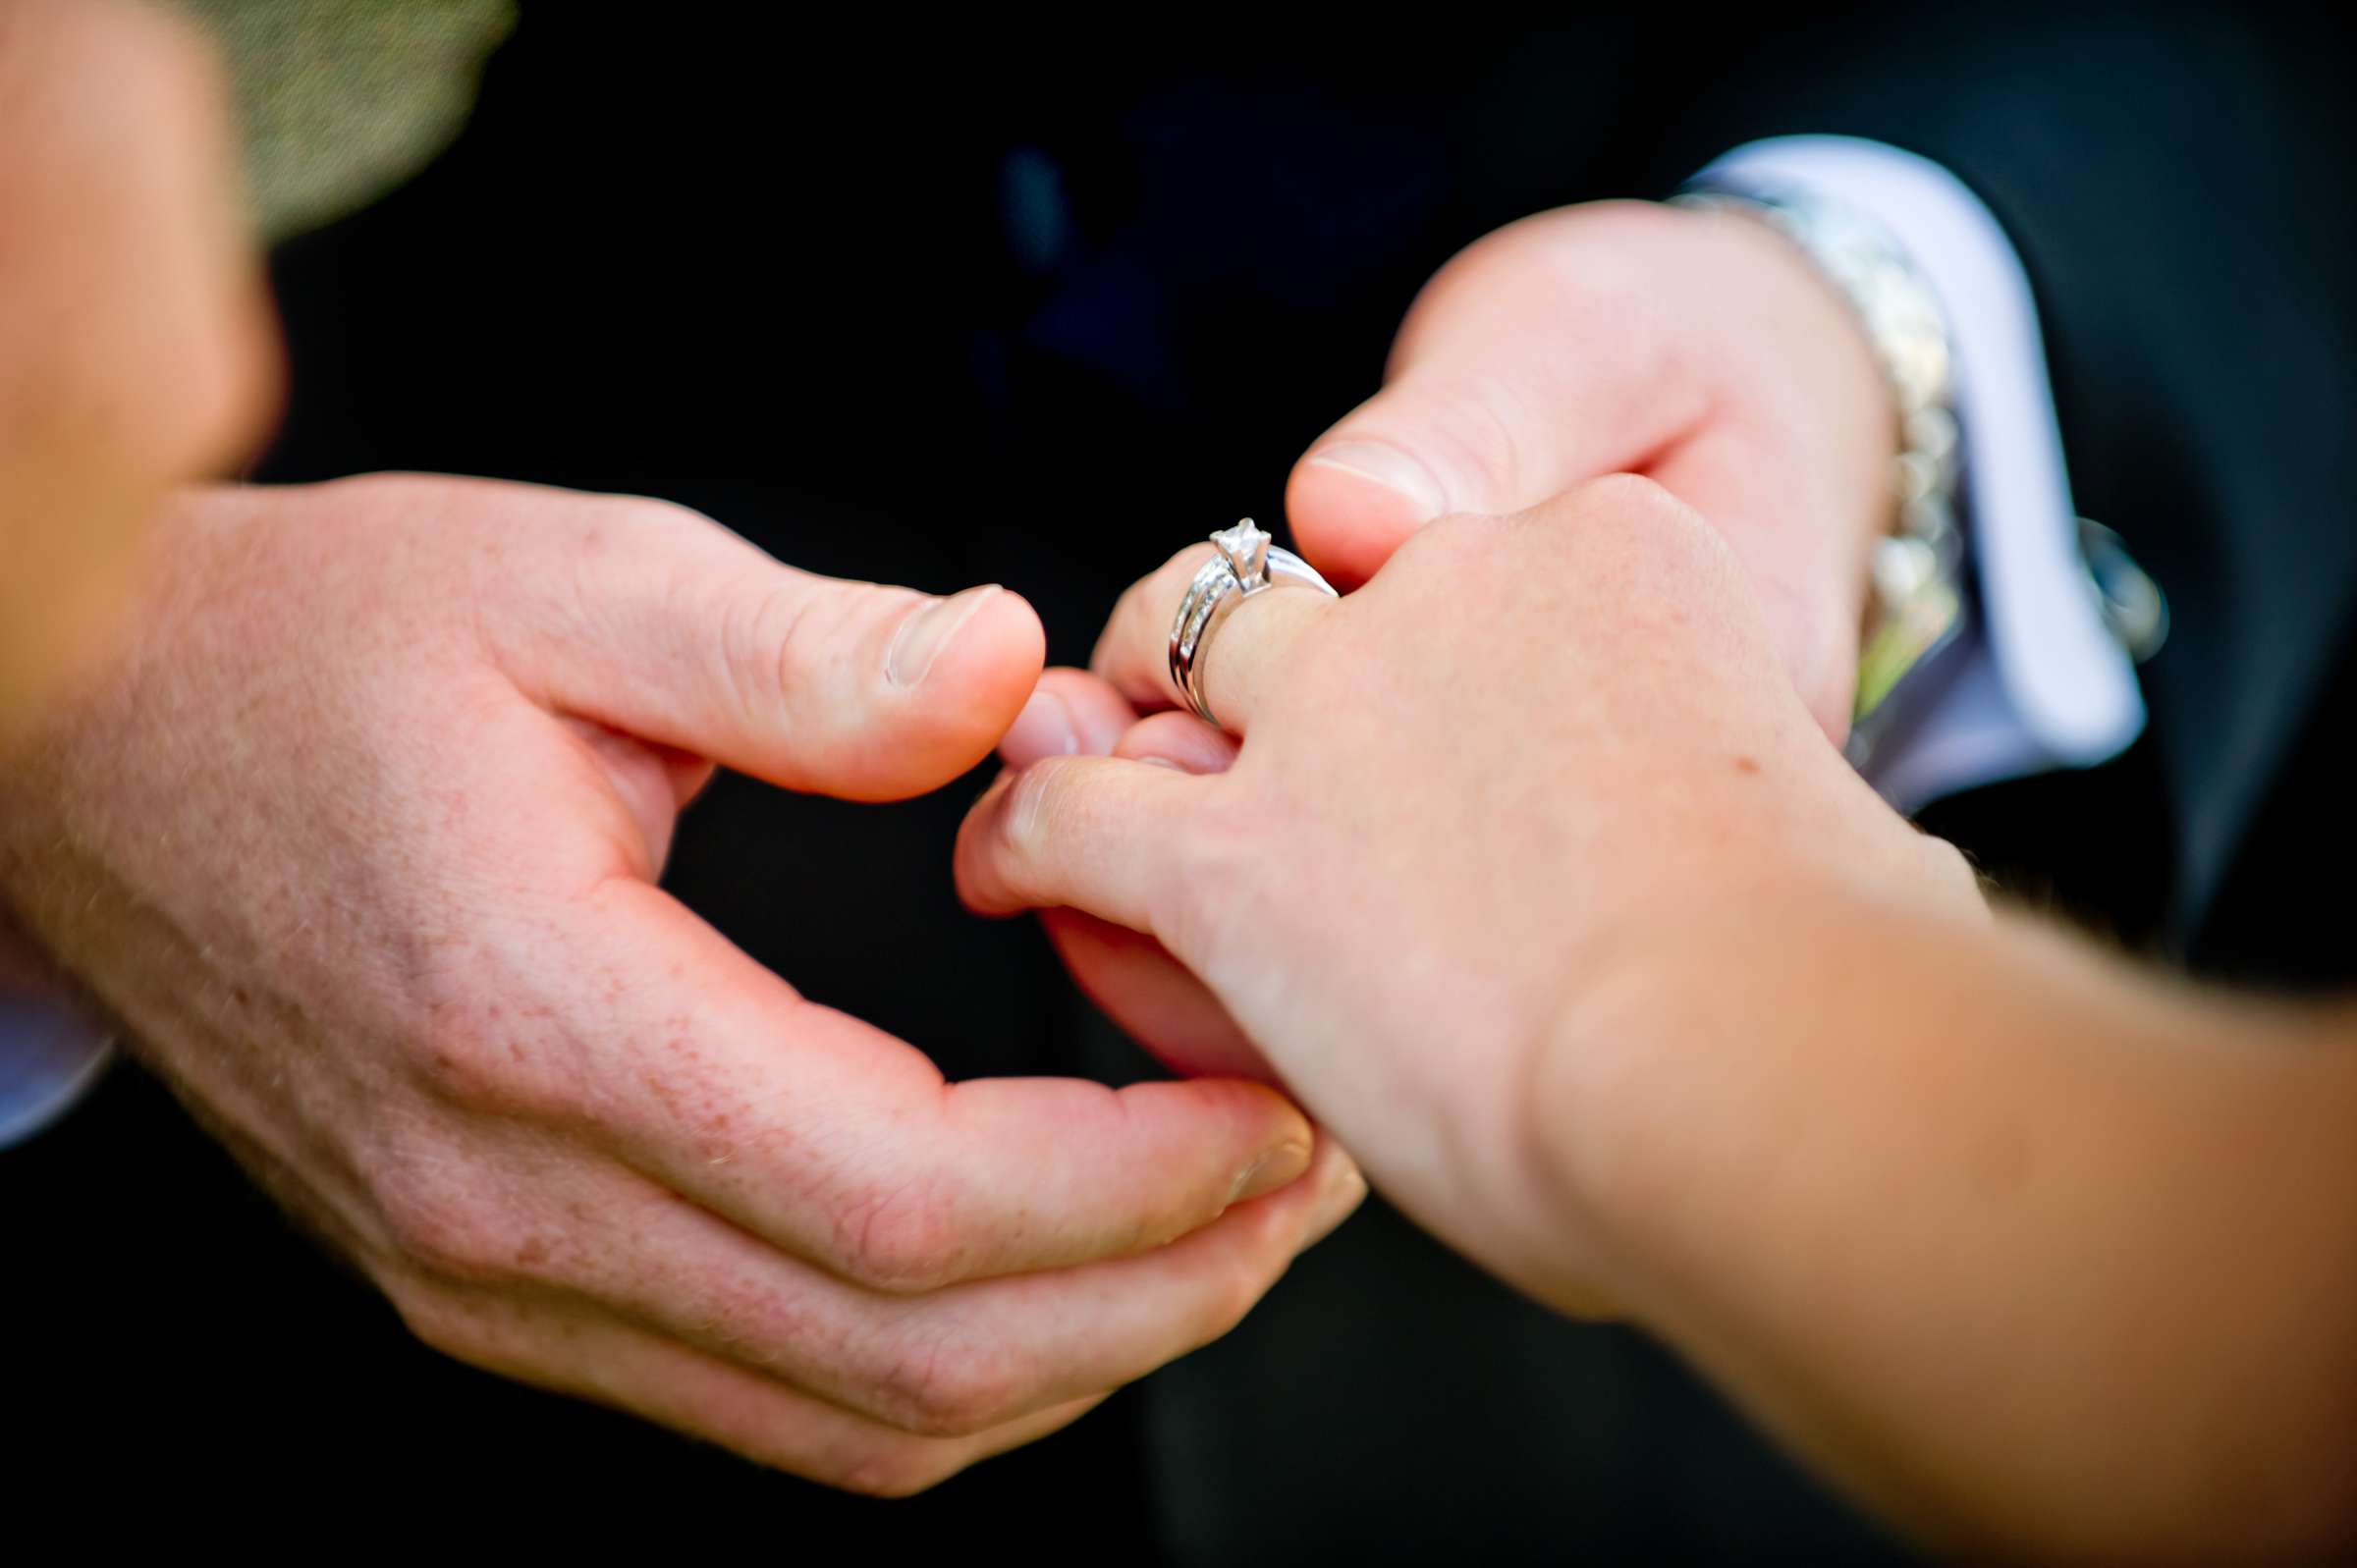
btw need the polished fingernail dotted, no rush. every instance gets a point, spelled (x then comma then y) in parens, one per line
(928, 630)
(1390, 468)
(1044, 728)
(1278, 1167)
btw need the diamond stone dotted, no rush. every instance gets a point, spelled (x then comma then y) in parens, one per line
(1246, 547)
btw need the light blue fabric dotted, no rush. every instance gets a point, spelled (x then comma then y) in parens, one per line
(48, 1059)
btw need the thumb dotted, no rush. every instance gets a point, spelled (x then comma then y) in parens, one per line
(1524, 368)
(677, 632)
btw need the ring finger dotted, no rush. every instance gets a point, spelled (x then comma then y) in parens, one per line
(1235, 657)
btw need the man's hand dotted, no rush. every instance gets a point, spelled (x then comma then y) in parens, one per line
(1699, 350)
(358, 845)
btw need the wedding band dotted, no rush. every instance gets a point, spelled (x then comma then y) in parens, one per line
(1244, 561)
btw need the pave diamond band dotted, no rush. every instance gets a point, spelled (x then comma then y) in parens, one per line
(1245, 562)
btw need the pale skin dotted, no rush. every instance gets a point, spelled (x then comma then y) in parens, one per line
(1531, 871)
(573, 1133)
(357, 840)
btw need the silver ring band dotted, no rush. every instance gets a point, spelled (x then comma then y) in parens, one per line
(1245, 562)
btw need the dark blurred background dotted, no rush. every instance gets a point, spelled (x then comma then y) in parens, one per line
(953, 300)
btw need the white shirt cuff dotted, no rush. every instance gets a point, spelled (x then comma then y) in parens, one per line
(48, 1059)
(2043, 686)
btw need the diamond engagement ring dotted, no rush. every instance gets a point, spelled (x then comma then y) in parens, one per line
(1245, 562)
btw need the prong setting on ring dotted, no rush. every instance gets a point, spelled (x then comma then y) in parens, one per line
(1245, 562)
(1245, 548)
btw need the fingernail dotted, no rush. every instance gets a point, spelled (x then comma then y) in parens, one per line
(926, 632)
(1044, 728)
(1390, 468)
(1280, 1167)
(1350, 1191)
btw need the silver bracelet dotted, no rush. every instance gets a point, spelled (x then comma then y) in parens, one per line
(1917, 577)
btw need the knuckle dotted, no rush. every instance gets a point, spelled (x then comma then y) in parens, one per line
(441, 1220)
(478, 1064)
(901, 1239)
(765, 652)
(485, 1039)
(462, 1066)
(940, 1386)
(809, 650)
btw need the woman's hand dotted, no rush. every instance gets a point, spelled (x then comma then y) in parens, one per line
(1464, 800)
(1534, 880)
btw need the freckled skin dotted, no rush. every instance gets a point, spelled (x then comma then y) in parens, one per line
(381, 905)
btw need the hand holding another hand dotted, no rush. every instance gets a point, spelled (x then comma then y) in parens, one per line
(1701, 351)
(1461, 803)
